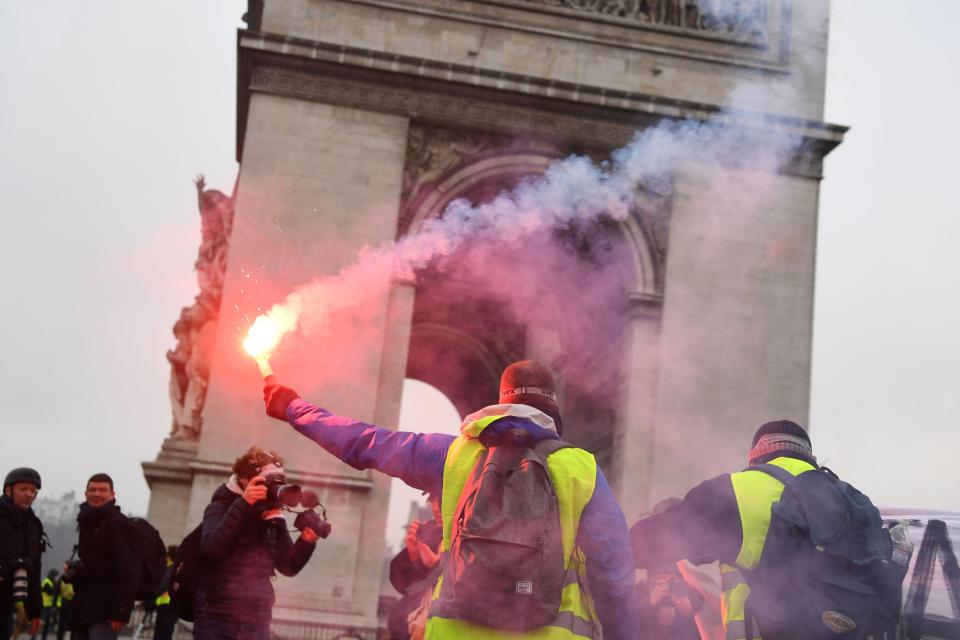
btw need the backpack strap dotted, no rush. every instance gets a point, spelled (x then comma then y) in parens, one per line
(773, 470)
(546, 447)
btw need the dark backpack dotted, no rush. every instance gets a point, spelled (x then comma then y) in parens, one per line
(146, 544)
(826, 570)
(505, 567)
(186, 574)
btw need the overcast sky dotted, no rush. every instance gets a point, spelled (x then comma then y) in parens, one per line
(109, 109)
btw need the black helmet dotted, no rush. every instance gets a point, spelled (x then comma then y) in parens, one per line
(22, 474)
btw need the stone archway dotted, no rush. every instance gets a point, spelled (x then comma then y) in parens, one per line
(462, 335)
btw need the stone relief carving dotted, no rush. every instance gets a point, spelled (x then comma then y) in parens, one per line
(195, 329)
(731, 18)
(433, 151)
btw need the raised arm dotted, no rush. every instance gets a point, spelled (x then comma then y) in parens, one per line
(292, 556)
(703, 527)
(415, 458)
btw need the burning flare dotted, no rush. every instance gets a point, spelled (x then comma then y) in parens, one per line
(268, 330)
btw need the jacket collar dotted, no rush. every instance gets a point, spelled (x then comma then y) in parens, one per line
(475, 423)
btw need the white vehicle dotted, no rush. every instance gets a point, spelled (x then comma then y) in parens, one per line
(931, 590)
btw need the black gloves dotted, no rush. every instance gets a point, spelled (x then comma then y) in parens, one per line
(277, 399)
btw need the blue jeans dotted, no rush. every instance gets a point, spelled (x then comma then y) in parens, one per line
(214, 629)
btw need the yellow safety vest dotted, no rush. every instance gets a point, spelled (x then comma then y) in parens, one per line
(47, 598)
(574, 474)
(756, 493)
(66, 593)
(164, 598)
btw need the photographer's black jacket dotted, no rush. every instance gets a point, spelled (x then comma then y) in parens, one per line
(241, 551)
(21, 540)
(107, 584)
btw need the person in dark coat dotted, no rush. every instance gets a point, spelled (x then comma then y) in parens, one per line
(726, 518)
(106, 584)
(244, 539)
(411, 570)
(21, 545)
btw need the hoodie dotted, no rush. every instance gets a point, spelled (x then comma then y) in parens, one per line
(418, 459)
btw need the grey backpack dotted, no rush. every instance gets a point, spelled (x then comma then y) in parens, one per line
(505, 567)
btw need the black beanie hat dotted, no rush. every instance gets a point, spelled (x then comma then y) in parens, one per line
(781, 437)
(529, 382)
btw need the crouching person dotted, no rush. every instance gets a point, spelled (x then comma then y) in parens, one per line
(244, 539)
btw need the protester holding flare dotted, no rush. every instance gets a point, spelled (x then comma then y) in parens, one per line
(586, 565)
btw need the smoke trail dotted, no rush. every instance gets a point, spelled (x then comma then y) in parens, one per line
(570, 192)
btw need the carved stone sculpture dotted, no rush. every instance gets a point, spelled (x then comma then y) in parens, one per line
(194, 330)
(731, 18)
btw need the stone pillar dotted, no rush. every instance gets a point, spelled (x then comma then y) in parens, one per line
(737, 320)
(317, 184)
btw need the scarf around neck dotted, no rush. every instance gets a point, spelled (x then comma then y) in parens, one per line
(90, 514)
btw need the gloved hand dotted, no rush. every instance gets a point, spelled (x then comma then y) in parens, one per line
(277, 399)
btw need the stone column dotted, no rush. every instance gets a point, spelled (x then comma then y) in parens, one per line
(317, 184)
(737, 328)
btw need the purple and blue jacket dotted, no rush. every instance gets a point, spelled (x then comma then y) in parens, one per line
(418, 459)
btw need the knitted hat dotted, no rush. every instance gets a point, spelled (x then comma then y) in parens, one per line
(529, 382)
(782, 437)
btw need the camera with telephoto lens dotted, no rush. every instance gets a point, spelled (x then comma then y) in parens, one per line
(290, 496)
(18, 580)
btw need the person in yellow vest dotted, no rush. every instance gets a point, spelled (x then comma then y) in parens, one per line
(726, 519)
(593, 552)
(64, 604)
(48, 595)
(166, 620)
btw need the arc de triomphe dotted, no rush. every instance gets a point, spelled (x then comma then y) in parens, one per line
(358, 120)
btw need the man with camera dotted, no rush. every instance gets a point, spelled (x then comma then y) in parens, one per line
(21, 544)
(244, 539)
(107, 573)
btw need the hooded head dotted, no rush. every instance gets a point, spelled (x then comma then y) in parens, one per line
(781, 438)
(529, 382)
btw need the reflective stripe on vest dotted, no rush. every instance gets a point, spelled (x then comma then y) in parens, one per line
(47, 598)
(573, 473)
(756, 492)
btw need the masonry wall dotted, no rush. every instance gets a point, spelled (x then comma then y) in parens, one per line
(583, 47)
(737, 322)
(317, 184)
